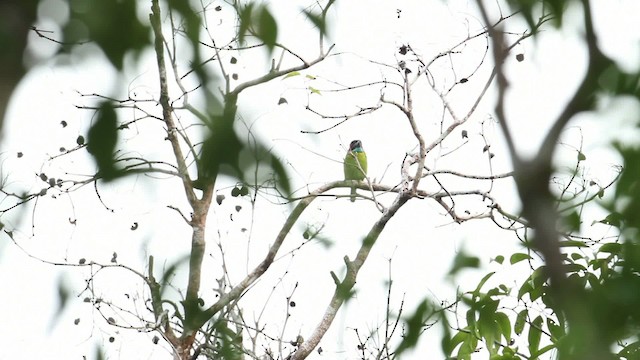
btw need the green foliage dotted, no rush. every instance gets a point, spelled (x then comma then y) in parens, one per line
(535, 334)
(12, 41)
(258, 21)
(64, 294)
(267, 28)
(484, 320)
(415, 327)
(222, 146)
(627, 193)
(607, 284)
(463, 261)
(281, 177)
(532, 10)
(220, 153)
(467, 343)
(318, 20)
(113, 25)
(518, 326)
(229, 342)
(16, 18)
(102, 139)
(631, 351)
(517, 257)
(573, 221)
(614, 81)
(613, 219)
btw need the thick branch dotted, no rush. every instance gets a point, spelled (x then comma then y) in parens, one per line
(167, 113)
(532, 180)
(343, 288)
(162, 319)
(200, 207)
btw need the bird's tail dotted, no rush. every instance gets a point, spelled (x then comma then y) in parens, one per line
(353, 194)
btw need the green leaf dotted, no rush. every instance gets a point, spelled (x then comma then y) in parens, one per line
(457, 339)
(476, 292)
(507, 354)
(471, 322)
(229, 341)
(613, 219)
(317, 20)
(504, 324)
(525, 288)
(556, 331)
(610, 79)
(497, 291)
(113, 25)
(536, 292)
(539, 276)
(499, 259)
(463, 261)
(630, 351)
(267, 30)
(521, 320)
(517, 257)
(504, 288)
(220, 147)
(245, 15)
(535, 332)
(415, 324)
(282, 178)
(544, 350)
(102, 139)
(574, 268)
(258, 21)
(573, 221)
(492, 292)
(593, 280)
(63, 296)
(314, 90)
(468, 347)
(489, 331)
(581, 156)
(576, 256)
(611, 248)
(447, 343)
(291, 74)
(627, 190)
(530, 11)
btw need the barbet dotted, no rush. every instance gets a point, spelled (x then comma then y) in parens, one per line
(355, 165)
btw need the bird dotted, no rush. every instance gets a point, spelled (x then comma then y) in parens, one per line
(355, 165)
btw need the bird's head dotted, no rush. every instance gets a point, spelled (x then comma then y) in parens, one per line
(356, 145)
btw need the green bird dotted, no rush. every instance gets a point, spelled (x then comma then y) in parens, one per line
(355, 165)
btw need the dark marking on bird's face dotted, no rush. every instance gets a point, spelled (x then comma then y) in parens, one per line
(355, 144)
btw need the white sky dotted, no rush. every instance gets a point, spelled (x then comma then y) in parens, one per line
(420, 241)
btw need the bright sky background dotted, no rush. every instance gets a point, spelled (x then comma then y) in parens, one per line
(421, 241)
